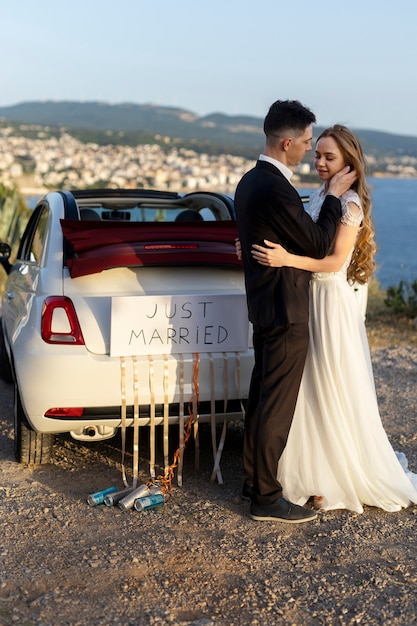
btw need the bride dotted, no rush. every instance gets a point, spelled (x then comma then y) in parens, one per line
(337, 448)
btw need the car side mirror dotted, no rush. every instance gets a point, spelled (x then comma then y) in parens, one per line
(5, 251)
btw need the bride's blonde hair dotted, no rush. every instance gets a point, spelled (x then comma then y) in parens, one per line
(362, 265)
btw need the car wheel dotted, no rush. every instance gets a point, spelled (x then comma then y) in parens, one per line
(30, 447)
(5, 369)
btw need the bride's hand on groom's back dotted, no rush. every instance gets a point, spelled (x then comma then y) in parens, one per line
(271, 254)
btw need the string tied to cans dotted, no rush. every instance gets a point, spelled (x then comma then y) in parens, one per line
(151, 494)
(166, 479)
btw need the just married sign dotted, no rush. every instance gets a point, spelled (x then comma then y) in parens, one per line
(142, 325)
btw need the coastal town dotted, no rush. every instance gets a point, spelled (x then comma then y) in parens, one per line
(40, 163)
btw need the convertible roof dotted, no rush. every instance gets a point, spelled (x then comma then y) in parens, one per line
(94, 246)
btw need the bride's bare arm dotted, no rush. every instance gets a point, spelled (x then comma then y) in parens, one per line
(274, 255)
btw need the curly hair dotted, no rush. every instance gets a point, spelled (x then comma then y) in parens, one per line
(362, 264)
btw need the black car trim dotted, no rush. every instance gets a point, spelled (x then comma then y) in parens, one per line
(113, 412)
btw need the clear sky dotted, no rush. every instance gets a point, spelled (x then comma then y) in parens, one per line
(352, 62)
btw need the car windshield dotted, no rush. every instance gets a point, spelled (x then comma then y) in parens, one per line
(148, 213)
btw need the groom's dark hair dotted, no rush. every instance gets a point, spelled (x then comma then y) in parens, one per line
(287, 115)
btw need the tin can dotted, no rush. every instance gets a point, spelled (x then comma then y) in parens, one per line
(98, 498)
(113, 498)
(149, 502)
(126, 503)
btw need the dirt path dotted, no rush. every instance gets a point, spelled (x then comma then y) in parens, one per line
(199, 559)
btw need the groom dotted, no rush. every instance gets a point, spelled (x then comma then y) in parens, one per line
(269, 207)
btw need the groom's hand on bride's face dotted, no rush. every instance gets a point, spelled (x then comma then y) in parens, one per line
(342, 181)
(351, 175)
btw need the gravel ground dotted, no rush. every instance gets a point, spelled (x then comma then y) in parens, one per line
(200, 560)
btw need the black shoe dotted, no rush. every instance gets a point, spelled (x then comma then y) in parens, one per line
(281, 511)
(248, 492)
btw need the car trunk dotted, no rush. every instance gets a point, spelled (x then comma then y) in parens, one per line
(106, 262)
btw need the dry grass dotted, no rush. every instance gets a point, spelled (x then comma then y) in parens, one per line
(384, 327)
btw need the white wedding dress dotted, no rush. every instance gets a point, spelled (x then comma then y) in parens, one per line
(337, 446)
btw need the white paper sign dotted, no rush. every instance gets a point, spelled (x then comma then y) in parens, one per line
(178, 324)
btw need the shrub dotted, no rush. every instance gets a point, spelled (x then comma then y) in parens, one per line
(403, 298)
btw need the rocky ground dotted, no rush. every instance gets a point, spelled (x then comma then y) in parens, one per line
(200, 560)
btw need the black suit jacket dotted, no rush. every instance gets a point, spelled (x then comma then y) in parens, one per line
(269, 207)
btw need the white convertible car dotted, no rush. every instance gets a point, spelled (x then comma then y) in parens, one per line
(120, 307)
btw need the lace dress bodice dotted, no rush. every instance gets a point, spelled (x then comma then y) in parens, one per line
(348, 219)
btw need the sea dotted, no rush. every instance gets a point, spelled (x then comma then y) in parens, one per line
(394, 210)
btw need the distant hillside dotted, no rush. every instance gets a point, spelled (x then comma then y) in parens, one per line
(231, 134)
(241, 133)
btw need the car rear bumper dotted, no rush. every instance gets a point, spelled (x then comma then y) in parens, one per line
(153, 387)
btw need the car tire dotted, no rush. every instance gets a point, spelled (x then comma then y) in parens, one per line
(30, 447)
(5, 368)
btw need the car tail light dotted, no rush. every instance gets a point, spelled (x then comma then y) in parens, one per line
(65, 412)
(60, 322)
